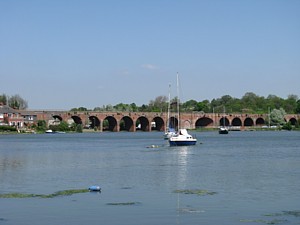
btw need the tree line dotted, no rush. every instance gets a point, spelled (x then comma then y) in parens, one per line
(249, 103)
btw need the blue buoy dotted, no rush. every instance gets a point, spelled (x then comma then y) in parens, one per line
(94, 188)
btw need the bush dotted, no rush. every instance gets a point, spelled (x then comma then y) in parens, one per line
(287, 126)
(7, 129)
(79, 128)
(63, 126)
(41, 126)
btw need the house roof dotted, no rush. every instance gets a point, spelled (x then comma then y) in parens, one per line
(7, 109)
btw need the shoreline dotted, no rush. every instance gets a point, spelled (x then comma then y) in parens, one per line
(193, 130)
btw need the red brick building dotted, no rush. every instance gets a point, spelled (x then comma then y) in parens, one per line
(10, 116)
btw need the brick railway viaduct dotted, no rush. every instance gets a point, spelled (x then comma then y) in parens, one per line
(150, 121)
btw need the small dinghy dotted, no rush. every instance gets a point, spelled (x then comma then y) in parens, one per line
(94, 188)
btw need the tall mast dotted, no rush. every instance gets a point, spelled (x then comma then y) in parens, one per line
(178, 101)
(169, 107)
(224, 116)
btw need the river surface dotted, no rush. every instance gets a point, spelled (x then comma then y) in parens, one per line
(251, 178)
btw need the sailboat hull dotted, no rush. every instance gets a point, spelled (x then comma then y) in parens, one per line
(223, 131)
(182, 143)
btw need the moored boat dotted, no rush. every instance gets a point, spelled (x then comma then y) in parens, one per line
(169, 133)
(223, 130)
(182, 138)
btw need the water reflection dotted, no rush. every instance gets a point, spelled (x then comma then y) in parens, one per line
(10, 164)
(182, 162)
(182, 155)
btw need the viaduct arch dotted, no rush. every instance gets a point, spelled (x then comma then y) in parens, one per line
(152, 121)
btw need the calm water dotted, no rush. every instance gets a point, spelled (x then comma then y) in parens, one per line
(256, 177)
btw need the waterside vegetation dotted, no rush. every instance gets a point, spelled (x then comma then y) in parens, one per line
(250, 103)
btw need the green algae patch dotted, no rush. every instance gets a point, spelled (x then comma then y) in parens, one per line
(125, 188)
(195, 192)
(55, 194)
(264, 221)
(282, 214)
(190, 210)
(18, 195)
(295, 213)
(65, 193)
(123, 203)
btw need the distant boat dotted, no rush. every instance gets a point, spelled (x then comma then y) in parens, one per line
(223, 129)
(54, 132)
(182, 137)
(169, 133)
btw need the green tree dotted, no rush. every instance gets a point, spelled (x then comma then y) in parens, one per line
(120, 107)
(82, 109)
(297, 109)
(215, 103)
(3, 99)
(17, 102)
(290, 104)
(275, 102)
(79, 128)
(144, 108)
(235, 105)
(260, 105)
(203, 106)
(109, 108)
(63, 126)
(190, 105)
(277, 116)
(41, 126)
(160, 104)
(297, 125)
(134, 107)
(225, 100)
(249, 101)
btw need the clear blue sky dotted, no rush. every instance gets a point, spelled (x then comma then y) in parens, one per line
(60, 54)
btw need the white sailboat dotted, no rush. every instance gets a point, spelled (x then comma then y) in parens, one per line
(223, 129)
(169, 131)
(182, 137)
